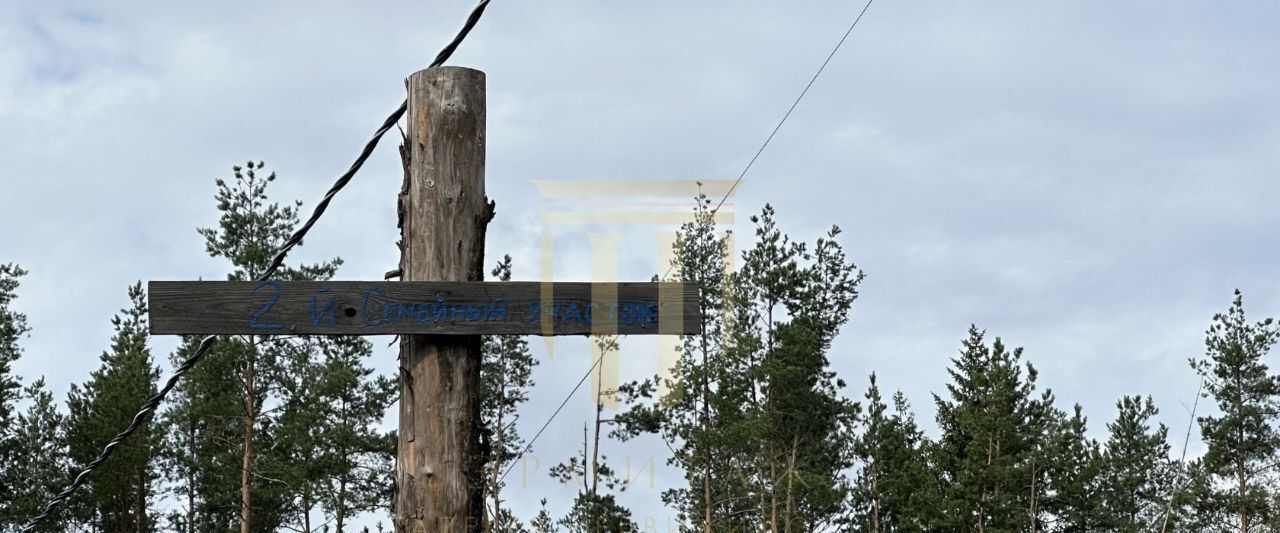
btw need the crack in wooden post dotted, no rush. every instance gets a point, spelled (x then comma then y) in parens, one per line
(444, 214)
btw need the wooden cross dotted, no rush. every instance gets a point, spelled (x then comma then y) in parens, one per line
(440, 308)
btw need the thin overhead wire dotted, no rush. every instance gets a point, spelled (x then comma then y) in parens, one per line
(786, 116)
(552, 417)
(149, 407)
(713, 212)
(793, 106)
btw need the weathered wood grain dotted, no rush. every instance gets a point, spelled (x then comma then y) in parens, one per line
(443, 219)
(420, 307)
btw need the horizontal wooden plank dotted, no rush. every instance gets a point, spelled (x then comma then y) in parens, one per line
(421, 307)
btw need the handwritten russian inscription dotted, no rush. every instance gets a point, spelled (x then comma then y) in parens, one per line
(384, 308)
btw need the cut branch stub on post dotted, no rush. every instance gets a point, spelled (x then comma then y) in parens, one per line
(444, 217)
(419, 307)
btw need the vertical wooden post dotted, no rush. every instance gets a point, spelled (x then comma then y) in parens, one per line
(443, 216)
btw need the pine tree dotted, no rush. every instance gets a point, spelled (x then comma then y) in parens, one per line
(13, 326)
(225, 442)
(1242, 440)
(991, 444)
(1043, 418)
(895, 489)
(788, 306)
(1195, 506)
(542, 523)
(40, 462)
(119, 496)
(357, 459)
(249, 232)
(295, 460)
(200, 456)
(707, 395)
(1138, 474)
(506, 375)
(701, 257)
(595, 508)
(1074, 476)
(755, 415)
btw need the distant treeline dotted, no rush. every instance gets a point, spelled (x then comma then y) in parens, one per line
(281, 433)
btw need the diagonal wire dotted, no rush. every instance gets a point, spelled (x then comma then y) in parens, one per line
(713, 212)
(149, 407)
(552, 417)
(751, 163)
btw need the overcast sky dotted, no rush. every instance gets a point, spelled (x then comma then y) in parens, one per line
(1090, 180)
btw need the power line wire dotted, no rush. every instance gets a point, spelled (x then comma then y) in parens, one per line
(149, 406)
(713, 212)
(552, 417)
(793, 105)
(751, 163)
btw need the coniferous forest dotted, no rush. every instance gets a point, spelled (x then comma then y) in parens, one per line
(283, 433)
